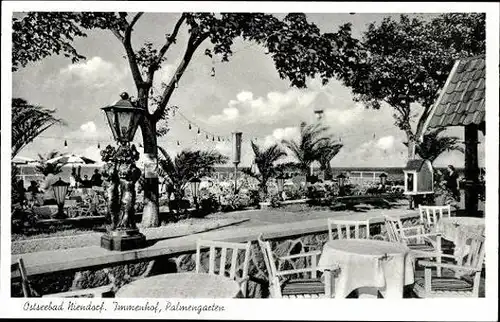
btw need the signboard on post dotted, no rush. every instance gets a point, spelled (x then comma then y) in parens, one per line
(237, 147)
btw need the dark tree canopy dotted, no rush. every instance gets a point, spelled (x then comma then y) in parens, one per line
(408, 61)
(29, 121)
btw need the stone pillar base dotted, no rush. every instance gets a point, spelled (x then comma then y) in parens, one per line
(123, 240)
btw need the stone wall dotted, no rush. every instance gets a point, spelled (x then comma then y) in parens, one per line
(122, 274)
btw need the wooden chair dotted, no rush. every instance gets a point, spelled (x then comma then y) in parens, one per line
(351, 228)
(467, 270)
(280, 287)
(223, 269)
(30, 290)
(430, 215)
(422, 244)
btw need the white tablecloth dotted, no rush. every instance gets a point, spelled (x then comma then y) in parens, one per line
(182, 285)
(368, 263)
(451, 229)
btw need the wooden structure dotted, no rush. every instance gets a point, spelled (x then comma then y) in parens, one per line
(419, 177)
(311, 287)
(461, 102)
(459, 285)
(430, 215)
(221, 269)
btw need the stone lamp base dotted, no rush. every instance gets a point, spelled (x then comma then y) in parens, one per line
(122, 240)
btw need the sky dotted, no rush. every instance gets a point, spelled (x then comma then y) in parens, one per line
(245, 95)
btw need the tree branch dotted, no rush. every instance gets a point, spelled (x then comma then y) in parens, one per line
(170, 40)
(127, 43)
(193, 43)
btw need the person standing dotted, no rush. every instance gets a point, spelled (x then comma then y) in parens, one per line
(452, 182)
(96, 180)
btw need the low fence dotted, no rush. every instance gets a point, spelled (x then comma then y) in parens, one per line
(81, 268)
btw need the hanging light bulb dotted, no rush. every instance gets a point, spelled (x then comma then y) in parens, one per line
(218, 138)
(189, 126)
(199, 131)
(206, 136)
(178, 143)
(98, 145)
(212, 73)
(65, 143)
(213, 138)
(373, 135)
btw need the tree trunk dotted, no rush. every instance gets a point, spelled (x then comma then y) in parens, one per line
(150, 215)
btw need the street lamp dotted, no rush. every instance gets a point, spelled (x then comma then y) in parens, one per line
(121, 174)
(280, 182)
(236, 157)
(341, 180)
(319, 114)
(60, 189)
(383, 179)
(195, 189)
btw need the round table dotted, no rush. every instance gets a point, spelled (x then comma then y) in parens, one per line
(366, 263)
(453, 229)
(181, 285)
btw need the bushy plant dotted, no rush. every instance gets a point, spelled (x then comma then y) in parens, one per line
(274, 201)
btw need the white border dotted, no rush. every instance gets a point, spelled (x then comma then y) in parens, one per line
(445, 309)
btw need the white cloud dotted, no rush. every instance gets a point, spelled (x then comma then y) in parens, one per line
(89, 128)
(228, 114)
(345, 116)
(279, 134)
(386, 142)
(244, 96)
(94, 72)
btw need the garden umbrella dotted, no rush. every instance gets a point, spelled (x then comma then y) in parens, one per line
(71, 159)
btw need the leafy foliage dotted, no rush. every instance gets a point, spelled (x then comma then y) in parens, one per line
(264, 160)
(434, 144)
(328, 150)
(186, 166)
(29, 121)
(47, 168)
(310, 146)
(406, 61)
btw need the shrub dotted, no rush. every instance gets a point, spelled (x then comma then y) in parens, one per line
(275, 201)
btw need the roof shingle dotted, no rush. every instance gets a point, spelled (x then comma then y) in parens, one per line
(463, 100)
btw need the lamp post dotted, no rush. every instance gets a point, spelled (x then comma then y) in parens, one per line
(236, 157)
(341, 180)
(121, 174)
(319, 114)
(280, 182)
(60, 189)
(383, 179)
(195, 189)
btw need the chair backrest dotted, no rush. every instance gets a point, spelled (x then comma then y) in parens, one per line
(222, 268)
(349, 226)
(430, 215)
(393, 227)
(267, 253)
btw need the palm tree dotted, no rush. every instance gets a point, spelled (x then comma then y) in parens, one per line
(328, 150)
(434, 144)
(28, 121)
(186, 166)
(308, 148)
(46, 168)
(264, 160)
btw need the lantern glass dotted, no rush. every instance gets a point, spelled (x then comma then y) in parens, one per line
(195, 186)
(341, 179)
(123, 119)
(383, 178)
(319, 114)
(60, 190)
